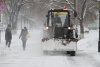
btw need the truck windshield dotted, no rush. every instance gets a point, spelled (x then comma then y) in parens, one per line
(59, 19)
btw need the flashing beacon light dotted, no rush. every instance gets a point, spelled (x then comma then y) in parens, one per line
(66, 0)
(65, 6)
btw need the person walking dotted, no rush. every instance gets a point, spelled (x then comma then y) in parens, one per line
(8, 36)
(23, 36)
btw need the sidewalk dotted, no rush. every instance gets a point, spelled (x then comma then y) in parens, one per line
(34, 42)
(31, 57)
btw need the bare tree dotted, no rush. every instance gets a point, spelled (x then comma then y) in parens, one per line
(81, 18)
(39, 9)
(13, 8)
(29, 6)
(86, 12)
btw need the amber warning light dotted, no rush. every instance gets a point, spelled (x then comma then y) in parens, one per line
(65, 6)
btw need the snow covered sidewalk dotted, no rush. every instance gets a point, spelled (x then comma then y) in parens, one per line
(83, 59)
(47, 61)
(87, 56)
(33, 46)
(90, 41)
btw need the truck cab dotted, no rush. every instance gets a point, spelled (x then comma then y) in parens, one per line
(59, 29)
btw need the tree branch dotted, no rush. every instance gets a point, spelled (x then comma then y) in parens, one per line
(6, 7)
(83, 9)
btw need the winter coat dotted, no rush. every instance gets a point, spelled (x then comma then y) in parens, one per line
(8, 34)
(23, 34)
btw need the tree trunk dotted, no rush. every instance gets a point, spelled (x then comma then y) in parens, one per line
(15, 18)
(81, 28)
(13, 15)
(82, 18)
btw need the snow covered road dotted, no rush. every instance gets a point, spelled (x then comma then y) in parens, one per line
(83, 59)
(87, 55)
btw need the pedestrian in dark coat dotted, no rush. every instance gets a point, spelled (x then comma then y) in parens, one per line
(8, 36)
(23, 36)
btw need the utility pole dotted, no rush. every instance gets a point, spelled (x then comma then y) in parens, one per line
(0, 30)
(99, 28)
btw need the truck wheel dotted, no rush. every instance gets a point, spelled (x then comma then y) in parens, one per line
(68, 52)
(72, 53)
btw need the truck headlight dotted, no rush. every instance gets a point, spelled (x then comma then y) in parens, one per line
(69, 28)
(46, 28)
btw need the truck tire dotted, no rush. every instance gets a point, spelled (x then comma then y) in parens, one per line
(68, 52)
(72, 53)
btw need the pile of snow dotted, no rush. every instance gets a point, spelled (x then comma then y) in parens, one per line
(90, 41)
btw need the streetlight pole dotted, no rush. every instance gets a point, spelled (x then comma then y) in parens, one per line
(99, 28)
